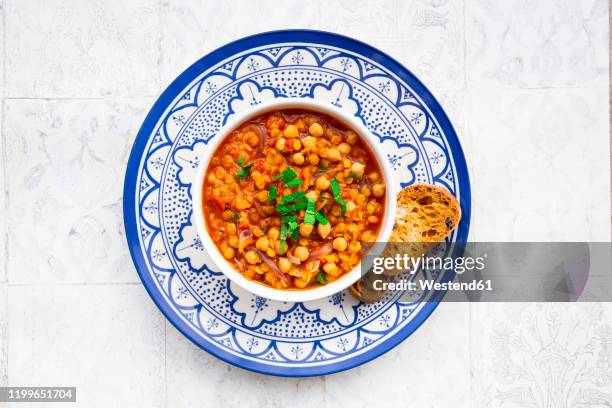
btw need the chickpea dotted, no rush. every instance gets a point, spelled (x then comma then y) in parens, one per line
(351, 138)
(252, 139)
(233, 241)
(368, 236)
(271, 253)
(322, 183)
(261, 196)
(230, 228)
(242, 203)
(298, 158)
(280, 144)
(306, 229)
(332, 154)
(301, 253)
(227, 161)
(252, 257)
(316, 129)
(357, 169)
(262, 244)
(273, 233)
(344, 148)
(350, 206)
(340, 244)
(227, 215)
(354, 247)
(373, 177)
(336, 139)
(330, 268)
(297, 145)
(313, 195)
(378, 190)
(212, 179)
(324, 229)
(309, 142)
(372, 219)
(284, 265)
(300, 283)
(313, 159)
(229, 253)
(291, 132)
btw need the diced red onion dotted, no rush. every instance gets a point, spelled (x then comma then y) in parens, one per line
(244, 239)
(293, 259)
(268, 261)
(321, 251)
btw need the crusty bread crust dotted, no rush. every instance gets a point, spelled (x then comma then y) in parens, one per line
(426, 215)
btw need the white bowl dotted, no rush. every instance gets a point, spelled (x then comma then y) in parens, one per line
(259, 289)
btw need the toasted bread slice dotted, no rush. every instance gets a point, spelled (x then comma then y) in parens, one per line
(425, 213)
(425, 216)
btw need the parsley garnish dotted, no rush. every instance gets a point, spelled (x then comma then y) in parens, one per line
(272, 192)
(309, 217)
(321, 278)
(286, 175)
(336, 190)
(293, 197)
(244, 170)
(321, 218)
(294, 183)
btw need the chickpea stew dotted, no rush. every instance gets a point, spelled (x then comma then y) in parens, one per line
(291, 196)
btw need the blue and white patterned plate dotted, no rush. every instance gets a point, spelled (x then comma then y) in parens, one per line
(290, 339)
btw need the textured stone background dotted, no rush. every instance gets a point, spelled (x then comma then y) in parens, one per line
(525, 82)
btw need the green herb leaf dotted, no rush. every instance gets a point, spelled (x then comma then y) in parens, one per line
(309, 217)
(321, 278)
(286, 175)
(272, 192)
(293, 230)
(240, 161)
(288, 218)
(335, 187)
(301, 204)
(321, 218)
(283, 238)
(336, 190)
(294, 183)
(285, 208)
(342, 204)
(322, 169)
(293, 197)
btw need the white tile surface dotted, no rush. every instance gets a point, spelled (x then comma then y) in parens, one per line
(107, 340)
(3, 334)
(66, 161)
(82, 48)
(192, 28)
(197, 379)
(539, 165)
(435, 356)
(519, 43)
(546, 354)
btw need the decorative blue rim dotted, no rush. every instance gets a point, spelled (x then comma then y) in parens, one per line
(172, 91)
